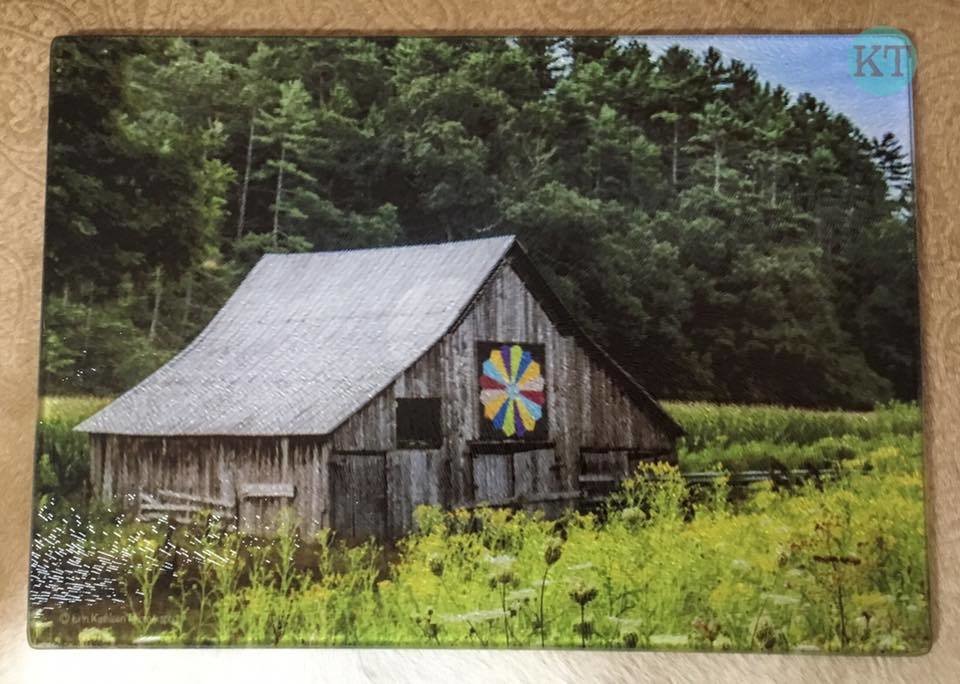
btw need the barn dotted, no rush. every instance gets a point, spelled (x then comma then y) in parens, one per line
(353, 386)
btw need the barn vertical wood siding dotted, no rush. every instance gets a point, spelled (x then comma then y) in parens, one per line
(588, 408)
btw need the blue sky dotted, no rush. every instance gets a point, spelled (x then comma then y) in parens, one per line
(819, 64)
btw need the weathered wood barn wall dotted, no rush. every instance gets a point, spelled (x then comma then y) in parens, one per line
(245, 478)
(362, 480)
(590, 414)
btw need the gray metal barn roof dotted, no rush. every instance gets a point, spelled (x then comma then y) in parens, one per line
(307, 340)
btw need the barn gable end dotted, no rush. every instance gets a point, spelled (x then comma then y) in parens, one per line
(589, 408)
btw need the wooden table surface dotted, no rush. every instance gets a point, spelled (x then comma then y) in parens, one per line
(26, 27)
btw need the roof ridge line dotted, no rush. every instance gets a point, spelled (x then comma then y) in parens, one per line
(413, 245)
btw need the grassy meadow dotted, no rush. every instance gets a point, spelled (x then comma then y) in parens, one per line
(832, 565)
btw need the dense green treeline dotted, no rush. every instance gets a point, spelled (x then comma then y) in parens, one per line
(722, 239)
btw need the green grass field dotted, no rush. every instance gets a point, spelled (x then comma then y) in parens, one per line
(735, 432)
(835, 568)
(70, 410)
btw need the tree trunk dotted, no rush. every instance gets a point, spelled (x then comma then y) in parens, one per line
(187, 300)
(774, 168)
(676, 147)
(87, 323)
(276, 204)
(245, 188)
(157, 291)
(716, 168)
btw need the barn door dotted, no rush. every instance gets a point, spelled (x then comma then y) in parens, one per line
(492, 478)
(359, 493)
(534, 473)
(522, 475)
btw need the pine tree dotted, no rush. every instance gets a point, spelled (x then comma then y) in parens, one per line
(289, 128)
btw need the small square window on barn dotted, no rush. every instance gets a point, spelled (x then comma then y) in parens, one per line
(418, 424)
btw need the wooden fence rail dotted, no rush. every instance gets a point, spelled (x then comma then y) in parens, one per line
(745, 477)
(779, 476)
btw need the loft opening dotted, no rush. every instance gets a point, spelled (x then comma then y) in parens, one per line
(418, 423)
